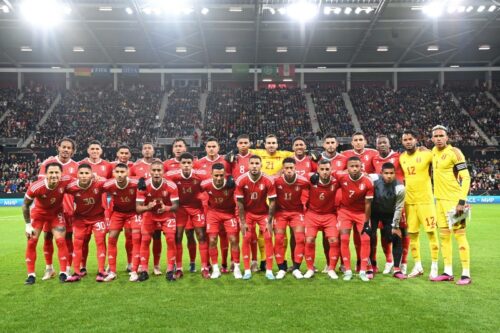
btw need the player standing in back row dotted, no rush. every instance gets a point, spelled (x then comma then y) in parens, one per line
(451, 186)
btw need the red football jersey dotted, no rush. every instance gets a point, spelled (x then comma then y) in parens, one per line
(102, 168)
(206, 164)
(130, 164)
(189, 187)
(48, 202)
(141, 169)
(123, 198)
(304, 166)
(219, 199)
(166, 193)
(240, 167)
(322, 197)
(393, 158)
(354, 192)
(70, 168)
(366, 157)
(171, 165)
(288, 195)
(337, 162)
(88, 202)
(255, 193)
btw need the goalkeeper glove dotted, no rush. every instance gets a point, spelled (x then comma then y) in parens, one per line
(142, 184)
(366, 228)
(314, 179)
(230, 182)
(315, 155)
(232, 156)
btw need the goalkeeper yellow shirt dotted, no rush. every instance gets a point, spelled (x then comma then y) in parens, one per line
(416, 168)
(450, 174)
(271, 164)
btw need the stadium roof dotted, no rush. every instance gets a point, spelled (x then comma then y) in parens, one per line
(381, 33)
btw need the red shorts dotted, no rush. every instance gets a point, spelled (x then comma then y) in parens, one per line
(253, 219)
(118, 221)
(87, 227)
(47, 222)
(216, 219)
(292, 219)
(321, 222)
(184, 215)
(150, 225)
(348, 219)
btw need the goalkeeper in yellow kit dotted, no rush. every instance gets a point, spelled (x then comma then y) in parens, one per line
(419, 202)
(272, 162)
(451, 186)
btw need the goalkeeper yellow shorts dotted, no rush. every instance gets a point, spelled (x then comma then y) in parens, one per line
(442, 207)
(420, 214)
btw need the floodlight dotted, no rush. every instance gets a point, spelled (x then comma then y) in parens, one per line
(347, 10)
(484, 47)
(434, 9)
(481, 8)
(204, 11)
(129, 10)
(48, 13)
(302, 11)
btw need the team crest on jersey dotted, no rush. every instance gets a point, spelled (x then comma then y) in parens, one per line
(297, 188)
(443, 157)
(362, 186)
(226, 193)
(96, 191)
(261, 186)
(103, 168)
(164, 193)
(131, 191)
(332, 188)
(418, 160)
(61, 190)
(195, 182)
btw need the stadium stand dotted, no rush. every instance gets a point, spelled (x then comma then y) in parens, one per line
(111, 117)
(27, 112)
(17, 171)
(183, 116)
(480, 108)
(383, 111)
(485, 175)
(331, 112)
(231, 112)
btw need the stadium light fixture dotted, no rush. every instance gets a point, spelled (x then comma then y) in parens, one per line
(129, 10)
(55, 67)
(347, 10)
(147, 10)
(267, 80)
(433, 48)
(231, 49)
(434, 9)
(105, 8)
(282, 49)
(481, 9)
(358, 10)
(382, 48)
(331, 49)
(204, 11)
(492, 8)
(26, 49)
(282, 10)
(78, 49)
(235, 9)
(302, 11)
(181, 49)
(484, 47)
(327, 10)
(321, 67)
(461, 9)
(337, 10)
(5, 9)
(287, 79)
(129, 49)
(469, 9)
(47, 14)
(454, 66)
(452, 8)
(368, 10)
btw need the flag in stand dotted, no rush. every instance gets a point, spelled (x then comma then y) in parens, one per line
(286, 70)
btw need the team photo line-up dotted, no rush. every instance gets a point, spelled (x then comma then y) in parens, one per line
(220, 200)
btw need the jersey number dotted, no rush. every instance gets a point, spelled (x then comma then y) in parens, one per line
(269, 165)
(430, 221)
(253, 196)
(288, 196)
(411, 170)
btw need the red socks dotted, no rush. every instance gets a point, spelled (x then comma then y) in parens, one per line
(128, 246)
(279, 248)
(31, 254)
(298, 254)
(136, 250)
(310, 255)
(112, 252)
(345, 251)
(48, 250)
(145, 242)
(171, 251)
(62, 253)
(156, 250)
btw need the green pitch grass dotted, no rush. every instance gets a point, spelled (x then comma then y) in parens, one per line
(193, 304)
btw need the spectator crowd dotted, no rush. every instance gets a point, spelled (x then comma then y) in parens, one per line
(17, 171)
